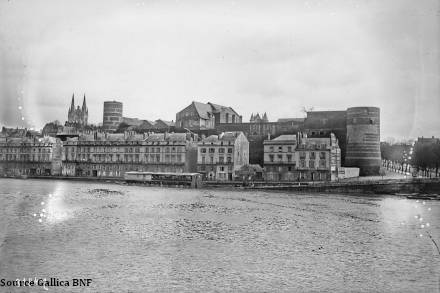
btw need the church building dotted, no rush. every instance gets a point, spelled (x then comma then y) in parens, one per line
(78, 115)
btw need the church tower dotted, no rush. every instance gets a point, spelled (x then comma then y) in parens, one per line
(84, 111)
(78, 115)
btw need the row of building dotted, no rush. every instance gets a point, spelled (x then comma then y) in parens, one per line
(218, 157)
(357, 129)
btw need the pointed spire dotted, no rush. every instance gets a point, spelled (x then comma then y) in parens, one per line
(84, 106)
(72, 106)
(252, 117)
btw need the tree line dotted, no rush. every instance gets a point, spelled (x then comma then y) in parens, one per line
(425, 156)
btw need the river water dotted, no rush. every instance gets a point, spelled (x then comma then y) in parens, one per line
(148, 239)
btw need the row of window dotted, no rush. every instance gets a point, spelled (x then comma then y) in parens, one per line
(19, 150)
(126, 150)
(302, 155)
(204, 168)
(212, 150)
(211, 160)
(302, 164)
(152, 158)
(31, 158)
(292, 148)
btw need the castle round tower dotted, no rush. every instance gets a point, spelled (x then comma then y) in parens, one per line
(112, 115)
(363, 140)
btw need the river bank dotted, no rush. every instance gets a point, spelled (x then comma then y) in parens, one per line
(386, 186)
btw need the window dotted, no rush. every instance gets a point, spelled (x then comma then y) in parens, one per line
(229, 150)
(289, 148)
(321, 163)
(280, 148)
(229, 159)
(289, 158)
(280, 157)
(289, 169)
(302, 163)
(312, 164)
(221, 150)
(212, 160)
(271, 158)
(203, 160)
(203, 150)
(221, 160)
(271, 148)
(211, 150)
(302, 155)
(312, 155)
(322, 155)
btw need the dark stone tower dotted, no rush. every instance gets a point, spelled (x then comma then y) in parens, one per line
(363, 140)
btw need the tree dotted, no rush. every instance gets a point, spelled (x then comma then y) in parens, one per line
(426, 156)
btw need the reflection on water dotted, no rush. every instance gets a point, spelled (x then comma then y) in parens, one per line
(55, 210)
(152, 239)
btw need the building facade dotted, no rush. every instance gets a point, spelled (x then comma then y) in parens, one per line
(78, 115)
(220, 157)
(111, 155)
(199, 116)
(30, 157)
(299, 158)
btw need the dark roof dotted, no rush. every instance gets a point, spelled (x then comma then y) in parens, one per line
(167, 123)
(202, 109)
(217, 107)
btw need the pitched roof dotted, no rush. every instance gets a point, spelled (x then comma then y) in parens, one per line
(167, 123)
(132, 121)
(286, 137)
(115, 136)
(156, 137)
(217, 107)
(202, 109)
(211, 138)
(177, 137)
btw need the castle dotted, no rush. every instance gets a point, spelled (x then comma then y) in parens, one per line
(78, 115)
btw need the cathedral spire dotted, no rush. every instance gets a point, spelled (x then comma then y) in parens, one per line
(84, 106)
(72, 106)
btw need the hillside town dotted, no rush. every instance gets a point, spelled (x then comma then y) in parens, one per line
(206, 138)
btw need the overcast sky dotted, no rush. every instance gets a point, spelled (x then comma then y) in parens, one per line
(274, 56)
